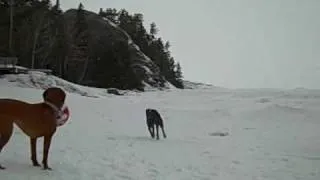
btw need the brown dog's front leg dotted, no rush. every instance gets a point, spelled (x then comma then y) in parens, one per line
(5, 134)
(33, 145)
(46, 147)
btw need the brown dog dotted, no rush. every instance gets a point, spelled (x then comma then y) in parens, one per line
(35, 120)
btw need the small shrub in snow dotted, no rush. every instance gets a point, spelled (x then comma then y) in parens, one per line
(219, 134)
(113, 91)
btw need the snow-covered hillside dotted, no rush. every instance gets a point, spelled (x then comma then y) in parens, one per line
(212, 134)
(39, 80)
(195, 85)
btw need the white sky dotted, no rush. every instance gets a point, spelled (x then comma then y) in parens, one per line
(235, 43)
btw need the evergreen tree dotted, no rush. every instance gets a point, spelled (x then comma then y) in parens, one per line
(112, 15)
(178, 76)
(124, 19)
(80, 24)
(60, 46)
(178, 72)
(153, 29)
(167, 46)
(101, 13)
(80, 49)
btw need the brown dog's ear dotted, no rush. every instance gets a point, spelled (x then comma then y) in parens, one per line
(54, 95)
(45, 94)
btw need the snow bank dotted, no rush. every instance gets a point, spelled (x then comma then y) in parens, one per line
(195, 85)
(39, 80)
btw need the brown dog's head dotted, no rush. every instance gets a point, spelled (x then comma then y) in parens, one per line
(55, 96)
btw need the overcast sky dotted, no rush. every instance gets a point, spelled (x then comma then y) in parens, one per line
(235, 43)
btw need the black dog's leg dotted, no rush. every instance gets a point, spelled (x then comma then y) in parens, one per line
(153, 135)
(151, 130)
(157, 126)
(164, 133)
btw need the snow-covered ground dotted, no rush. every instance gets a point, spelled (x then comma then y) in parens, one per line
(268, 134)
(39, 80)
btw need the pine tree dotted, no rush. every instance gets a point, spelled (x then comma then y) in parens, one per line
(112, 15)
(167, 46)
(124, 19)
(178, 77)
(80, 49)
(41, 32)
(61, 46)
(101, 12)
(153, 29)
(178, 71)
(80, 24)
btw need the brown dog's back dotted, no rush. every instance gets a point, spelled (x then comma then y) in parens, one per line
(33, 119)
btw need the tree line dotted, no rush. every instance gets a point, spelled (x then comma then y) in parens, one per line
(39, 40)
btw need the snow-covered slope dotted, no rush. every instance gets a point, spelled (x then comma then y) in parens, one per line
(196, 85)
(227, 135)
(39, 80)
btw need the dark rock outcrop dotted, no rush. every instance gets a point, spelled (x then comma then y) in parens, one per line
(103, 34)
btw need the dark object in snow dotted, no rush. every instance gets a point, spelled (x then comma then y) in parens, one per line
(154, 119)
(114, 91)
(219, 134)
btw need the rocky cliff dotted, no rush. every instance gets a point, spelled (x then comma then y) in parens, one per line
(103, 35)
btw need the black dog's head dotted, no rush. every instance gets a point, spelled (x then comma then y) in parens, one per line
(150, 113)
(153, 116)
(148, 110)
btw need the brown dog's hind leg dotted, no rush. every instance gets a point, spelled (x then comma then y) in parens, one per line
(5, 134)
(33, 145)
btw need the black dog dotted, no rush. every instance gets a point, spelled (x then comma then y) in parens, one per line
(154, 119)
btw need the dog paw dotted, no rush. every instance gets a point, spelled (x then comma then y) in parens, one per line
(47, 168)
(36, 164)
